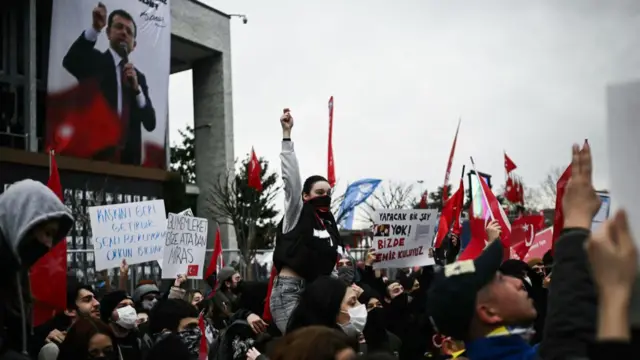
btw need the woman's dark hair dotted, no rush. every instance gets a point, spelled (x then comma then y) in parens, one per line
(308, 184)
(312, 343)
(76, 344)
(319, 304)
(167, 314)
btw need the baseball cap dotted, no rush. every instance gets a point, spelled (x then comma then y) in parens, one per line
(452, 296)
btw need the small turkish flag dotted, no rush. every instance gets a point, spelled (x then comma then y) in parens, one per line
(192, 270)
(254, 172)
(509, 165)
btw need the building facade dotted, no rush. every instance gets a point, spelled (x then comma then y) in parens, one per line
(200, 41)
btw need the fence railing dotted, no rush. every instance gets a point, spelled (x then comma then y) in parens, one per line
(84, 271)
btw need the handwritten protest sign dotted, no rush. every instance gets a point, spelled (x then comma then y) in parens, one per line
(186, 212)
(131, 231)
(401, 238)
(185, 246)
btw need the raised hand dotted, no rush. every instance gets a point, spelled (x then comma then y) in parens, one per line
(613, 257)
(580, 202)
(99, 15)
(286, 121)
(493, 231)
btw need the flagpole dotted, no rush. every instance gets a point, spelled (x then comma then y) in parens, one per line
(484, 196)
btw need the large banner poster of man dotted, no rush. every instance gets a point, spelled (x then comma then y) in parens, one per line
(108, 80)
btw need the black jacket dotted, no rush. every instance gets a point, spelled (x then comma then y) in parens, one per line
(572, 304)
(84, 62)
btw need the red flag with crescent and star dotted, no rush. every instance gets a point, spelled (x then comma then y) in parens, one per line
(523, 232)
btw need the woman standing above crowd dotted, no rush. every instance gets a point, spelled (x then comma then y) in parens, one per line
(307, 246)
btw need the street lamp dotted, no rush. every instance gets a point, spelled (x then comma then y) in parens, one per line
(241, 16)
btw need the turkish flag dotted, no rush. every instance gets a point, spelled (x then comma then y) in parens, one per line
(254, 172)
(511, 191)
(558, 221)
(216, 263)
(48, 276)
(509, 165)
(81, 123)
(523, 233)
(423, 201)
(498, 214)
(478, 238)
(452, 209)
(192, 270)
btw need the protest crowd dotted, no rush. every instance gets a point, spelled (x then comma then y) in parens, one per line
(478, 303)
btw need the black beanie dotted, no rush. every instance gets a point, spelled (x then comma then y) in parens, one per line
(109, 303)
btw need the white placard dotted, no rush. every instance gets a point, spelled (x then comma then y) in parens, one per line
(185, 246)
(131, 231)
(186, 212)
(401, 238)
(623, 108)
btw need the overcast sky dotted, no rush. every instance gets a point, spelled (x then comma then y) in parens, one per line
(526, 76)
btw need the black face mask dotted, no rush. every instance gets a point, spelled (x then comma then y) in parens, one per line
(400, 301)
(375, 330)
(321, 203)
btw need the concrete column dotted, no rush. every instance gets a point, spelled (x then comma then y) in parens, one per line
(213, 124)
(31, 95)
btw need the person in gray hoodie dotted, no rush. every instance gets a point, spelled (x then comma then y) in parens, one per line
(32, 221)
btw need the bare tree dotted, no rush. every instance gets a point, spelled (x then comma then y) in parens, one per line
(232, 202)
(391, 195)
(548, 189)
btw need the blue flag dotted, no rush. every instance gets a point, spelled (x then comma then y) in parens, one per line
(357, 193)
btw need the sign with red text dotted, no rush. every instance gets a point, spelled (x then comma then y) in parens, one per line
(401, 238)
(185, 247)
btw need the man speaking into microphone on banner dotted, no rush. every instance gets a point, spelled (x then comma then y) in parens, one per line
(123, 86)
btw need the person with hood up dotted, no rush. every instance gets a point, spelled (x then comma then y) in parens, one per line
(32, 221)
(307, 245)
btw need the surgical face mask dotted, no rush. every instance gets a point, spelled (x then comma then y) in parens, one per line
(191, 339)
(149, 304)
(358, 320)
(127, 317)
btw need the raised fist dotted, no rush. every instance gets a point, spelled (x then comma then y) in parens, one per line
(286, 120)
(99, 15)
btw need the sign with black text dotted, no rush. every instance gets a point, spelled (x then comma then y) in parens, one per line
(185, 246)
(401, 238)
